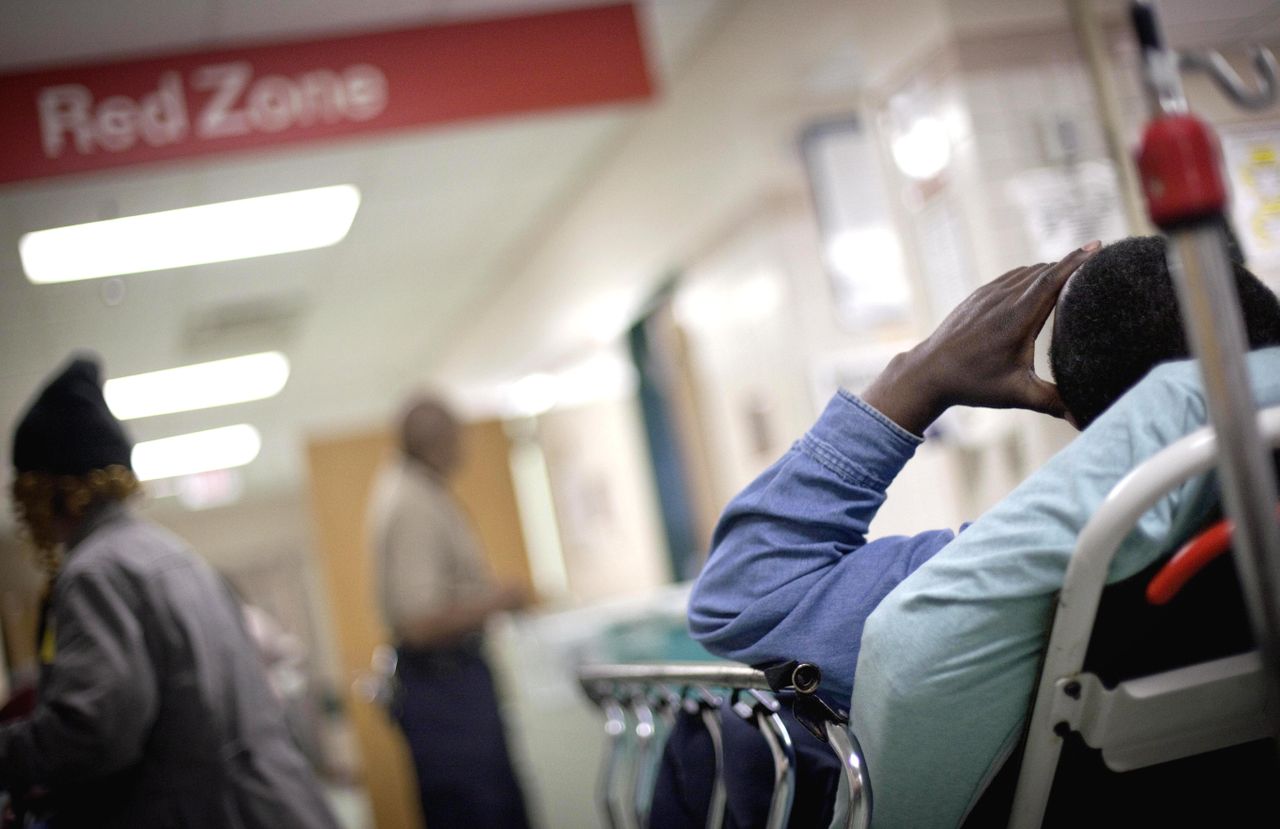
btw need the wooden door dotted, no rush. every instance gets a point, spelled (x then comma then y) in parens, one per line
(342, 471)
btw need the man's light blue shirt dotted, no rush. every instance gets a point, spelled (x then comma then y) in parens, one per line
(949, 658)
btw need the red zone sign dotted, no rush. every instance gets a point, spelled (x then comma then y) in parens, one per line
(95, 117)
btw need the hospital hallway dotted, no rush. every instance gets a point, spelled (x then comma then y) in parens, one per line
(536, 413)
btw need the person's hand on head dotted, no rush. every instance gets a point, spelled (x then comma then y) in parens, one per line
(983, 353)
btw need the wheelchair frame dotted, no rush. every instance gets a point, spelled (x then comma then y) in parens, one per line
(1150, 719)
(636, 698)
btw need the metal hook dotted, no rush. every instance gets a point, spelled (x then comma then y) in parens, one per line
(719, 795)
(614, 759)
(853, 807)
(667, 702)
(1216, 67)
(762, 711)
(646, 762)
(784, 767)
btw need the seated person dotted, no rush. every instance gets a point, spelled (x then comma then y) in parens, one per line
(950, 659)
(792, 575)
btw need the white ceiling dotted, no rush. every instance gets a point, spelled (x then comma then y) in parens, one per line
(444, 212)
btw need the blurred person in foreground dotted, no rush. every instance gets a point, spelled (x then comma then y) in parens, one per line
(152, 708)
(935, 637)
(436, 593)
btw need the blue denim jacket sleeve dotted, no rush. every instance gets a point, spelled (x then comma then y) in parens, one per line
(791, 574)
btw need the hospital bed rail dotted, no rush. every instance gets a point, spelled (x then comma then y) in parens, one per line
(636, 697)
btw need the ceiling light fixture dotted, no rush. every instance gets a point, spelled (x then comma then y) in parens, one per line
(198, 386)
(223, 448)
(221, 232)
(534, 394)
(923, 150)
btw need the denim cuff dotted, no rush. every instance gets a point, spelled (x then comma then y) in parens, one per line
(858, 442)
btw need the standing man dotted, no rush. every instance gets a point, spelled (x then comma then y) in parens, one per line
(152, 708)
(436, 593)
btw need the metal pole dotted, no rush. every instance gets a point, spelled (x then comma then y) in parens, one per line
(646, 732)
(1211, 313)
(609, 686)
(719, 797)
(1093, 47)
(784, 766)
(1186, 196)
(616, 729)
(853, 811)
(717, 675)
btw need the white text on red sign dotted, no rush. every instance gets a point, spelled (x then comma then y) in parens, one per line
(234, 103)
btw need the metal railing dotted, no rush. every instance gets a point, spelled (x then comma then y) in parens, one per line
(640, 703)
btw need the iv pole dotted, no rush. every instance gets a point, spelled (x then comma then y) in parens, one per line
(1180, 170)
(1180, 167)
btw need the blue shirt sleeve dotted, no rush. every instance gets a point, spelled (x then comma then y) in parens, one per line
(791, 574)
(949, 659)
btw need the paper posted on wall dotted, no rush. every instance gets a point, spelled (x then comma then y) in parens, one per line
(1064, 207)
(1252, 158)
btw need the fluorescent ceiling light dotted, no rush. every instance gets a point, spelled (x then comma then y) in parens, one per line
(923, 150)
(535, 394)
(221, 232)
(868, 261)
(199, 386)
(223, 448)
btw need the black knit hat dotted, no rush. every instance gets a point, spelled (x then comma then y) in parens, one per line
(68, 430)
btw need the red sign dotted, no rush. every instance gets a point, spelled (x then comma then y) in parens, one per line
(94, 117)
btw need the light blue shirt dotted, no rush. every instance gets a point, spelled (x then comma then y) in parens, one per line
(949, 658)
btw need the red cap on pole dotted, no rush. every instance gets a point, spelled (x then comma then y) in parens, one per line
(1181, 169)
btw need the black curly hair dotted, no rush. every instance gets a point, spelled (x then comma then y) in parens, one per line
(1118, 318)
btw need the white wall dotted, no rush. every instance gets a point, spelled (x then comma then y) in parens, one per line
(606, 507)
(722, 132)
(721, 140)
(739, 309)
(243, 538)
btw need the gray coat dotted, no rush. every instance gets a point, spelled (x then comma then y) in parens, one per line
(155, 711)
